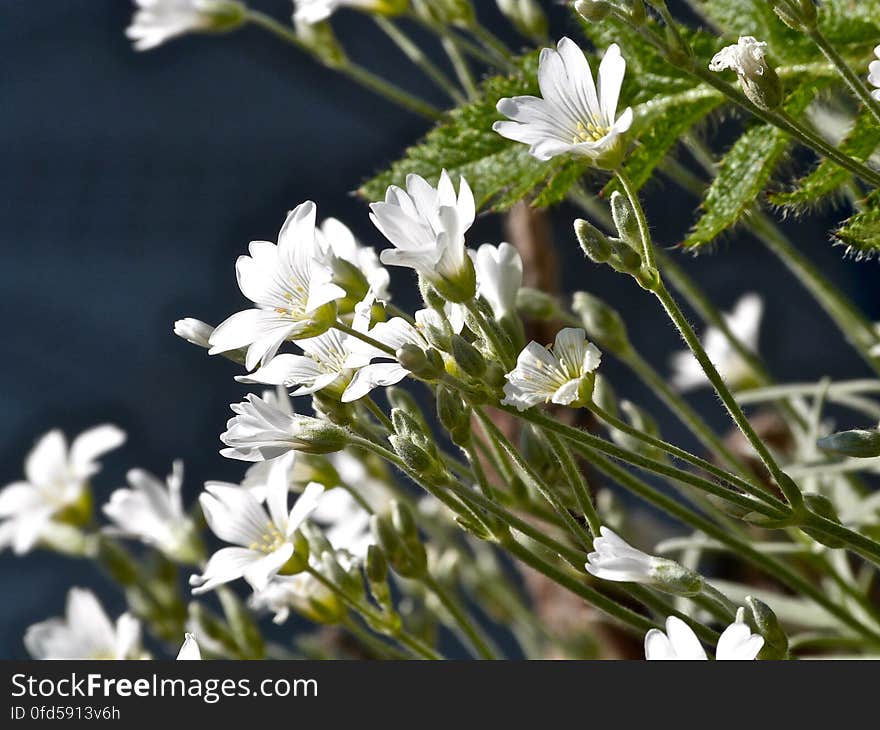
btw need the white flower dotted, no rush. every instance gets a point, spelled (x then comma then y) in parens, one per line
(291, 287)
(615, 559)
(314, 11)
(757, 79)
(190, 649)
(737, 642)
(261, 430)
(85, 632)
(562, 376)
(157, 21)
(499, 276)
(572, 117)
(427, 227)
(746, 58)
(194, 331)
(323, 363)
(340, 247)
(153, 512)
(264, 539)
(395, 333)
(874, 74)
(744, 322)
(302, 592)
(56, 486)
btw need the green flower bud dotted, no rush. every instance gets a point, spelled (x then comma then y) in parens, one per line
(320, 39)
(624, 257)
(625, 220)
(332, 569)
(535, 304)
(406, 556)
(468, 357)
(121, 566)
(495, 375)
(594, 243)
(454, 415)
(526, 16)
(822, 506)
(317, 436)
(402, 400)
(412, 357)
(404, 522)
(329, 406)
(592, 9)
(317, 540)
(762, 619)
(446, 12)
(377, 576)
(415, 457)
(671, 577)
(222, 16)
(861, 444)
(796, 14)
(601, 323)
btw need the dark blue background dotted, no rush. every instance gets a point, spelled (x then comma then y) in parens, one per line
(130, 182)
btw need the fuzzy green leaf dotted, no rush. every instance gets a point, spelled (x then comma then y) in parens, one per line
(828, 177)
(500, 172)
(743, 174)
(861, 232)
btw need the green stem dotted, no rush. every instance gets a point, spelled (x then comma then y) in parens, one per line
(644, 233)
(366, 78)
(682, 410)
(414, 644)
(739, 546)
(855, 83)
(418, 57)
(363, 337)
(382, 650)
(577, 530)
(491, 332)
(788, 488)
(460, 65)
(576, 479)
(477, 466)
(631, 620)
(379, 414)
(480, 643)
(770, 506)
(673, 450)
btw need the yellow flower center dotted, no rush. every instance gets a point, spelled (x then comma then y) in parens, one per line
(589, 132)
(270, 541)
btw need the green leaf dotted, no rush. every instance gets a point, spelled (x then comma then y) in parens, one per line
(500, 172)
(861, 233)
(743, 174)
(828, 177)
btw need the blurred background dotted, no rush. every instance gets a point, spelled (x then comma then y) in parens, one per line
(130, 183)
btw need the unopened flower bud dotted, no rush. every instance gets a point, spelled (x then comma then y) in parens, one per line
(757, 78)
(415, 457)
(299, 561)
(859, 443)
(446, 12)
(377, 576)
(820, 505)
(194, 331)
(602, 323)
(615, 559)
(402, 400)
(316, 436)
(527, 17)
(625, 220)
(331, 408)
(468, 357)
(535, 304)
(594, 243)
(333, 570)
(624, 257)
(320, 39)
(453, 414)
(412, 357)
(405, 552)
(796, 14)
(762, 619)
(592, 9)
